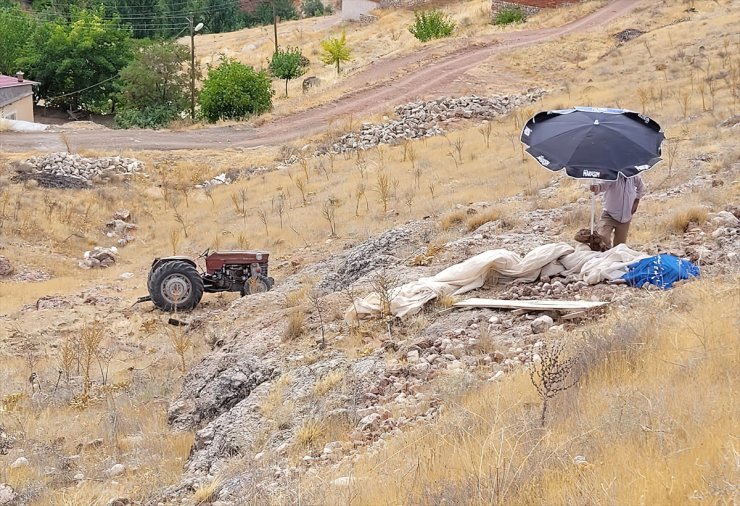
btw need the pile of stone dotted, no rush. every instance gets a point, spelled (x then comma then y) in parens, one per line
(627, 35)
(121, 227)
(425, 119)
(99, 257)
(67, 170)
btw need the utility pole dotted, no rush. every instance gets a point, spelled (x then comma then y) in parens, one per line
(193, 31)
(275, 20)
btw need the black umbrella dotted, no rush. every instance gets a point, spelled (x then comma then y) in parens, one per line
(593, 143)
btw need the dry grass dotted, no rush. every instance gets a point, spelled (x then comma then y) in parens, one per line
(634, 419)
(452, 219)
(680, 220)
(473, 222)
(488, 450)
(296, 325)
(328, 383)
(206, 494)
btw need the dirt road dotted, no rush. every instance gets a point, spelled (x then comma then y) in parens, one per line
(374, 92)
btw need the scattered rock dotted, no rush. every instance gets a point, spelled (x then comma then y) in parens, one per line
(99, 257)
(6, 268)
(496, 377)
(370, 421)
(542, 324)
(720, 219)
(115, 470)
(627, 35)
(119, 501)
(7, 494)
(19, 462)
(122, 214)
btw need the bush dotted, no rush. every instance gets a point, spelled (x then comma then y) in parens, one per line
(234, 91)
(151, 117)
(313, 8)
(509, 15)
(288, 64)
(431, 25)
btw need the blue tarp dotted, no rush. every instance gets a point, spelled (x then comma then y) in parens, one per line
(661, 271)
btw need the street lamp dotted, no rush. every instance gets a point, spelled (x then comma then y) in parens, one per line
(193, 31)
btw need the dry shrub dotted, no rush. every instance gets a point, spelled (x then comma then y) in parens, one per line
(206, 494)
(452, 219)
(328, 383)
(295, 328)
(445, 301)
(681, 220)
(296, 297)
(276, 408)
(476, 220)
(310, 434)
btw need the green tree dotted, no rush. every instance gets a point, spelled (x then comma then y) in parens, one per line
(222, 16)
(234, 91)
(143, 16)
(336, 51)
(288, 64)
(284, 9)
(315, 8)
(432, 24)
(78, 63)
(155, 86)
(16, 27)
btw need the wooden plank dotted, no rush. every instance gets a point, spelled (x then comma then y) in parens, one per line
(574, 316)
(532, 305)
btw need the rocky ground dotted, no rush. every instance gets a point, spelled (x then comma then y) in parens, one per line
(372, 380)
(254, 396)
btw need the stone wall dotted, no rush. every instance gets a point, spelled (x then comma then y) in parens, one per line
(529, 7)
(389, 4)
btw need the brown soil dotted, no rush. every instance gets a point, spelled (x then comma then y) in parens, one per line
(377, 88)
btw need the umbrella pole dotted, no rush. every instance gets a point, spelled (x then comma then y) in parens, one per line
(593, 211)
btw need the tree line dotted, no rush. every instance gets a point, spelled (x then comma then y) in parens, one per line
(88, 60)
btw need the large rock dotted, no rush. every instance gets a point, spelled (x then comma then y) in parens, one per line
(216, 385)
(542, 324)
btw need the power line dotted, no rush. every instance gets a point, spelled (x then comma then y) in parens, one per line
(83, 89)
(161, 19)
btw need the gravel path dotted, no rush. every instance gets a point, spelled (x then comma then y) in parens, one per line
(373, 92)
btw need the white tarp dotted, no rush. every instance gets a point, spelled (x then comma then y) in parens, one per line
(14, 125)
(501, 265)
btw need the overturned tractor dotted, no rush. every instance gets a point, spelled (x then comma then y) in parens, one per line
(175, 284)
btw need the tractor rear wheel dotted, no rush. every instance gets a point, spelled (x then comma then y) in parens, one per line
(175, 286)
(256, 284)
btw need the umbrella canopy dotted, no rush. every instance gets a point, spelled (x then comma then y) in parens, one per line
(594, 143)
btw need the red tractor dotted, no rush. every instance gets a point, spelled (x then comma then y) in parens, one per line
(175, 285)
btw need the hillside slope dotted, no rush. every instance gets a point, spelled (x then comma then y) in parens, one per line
(275, 399)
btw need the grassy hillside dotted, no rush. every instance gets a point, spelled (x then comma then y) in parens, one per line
(651, 421)
(652, 416)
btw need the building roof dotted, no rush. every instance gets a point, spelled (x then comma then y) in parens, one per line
(11, 81)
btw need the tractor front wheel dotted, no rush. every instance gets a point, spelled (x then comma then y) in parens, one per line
(175, 286)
